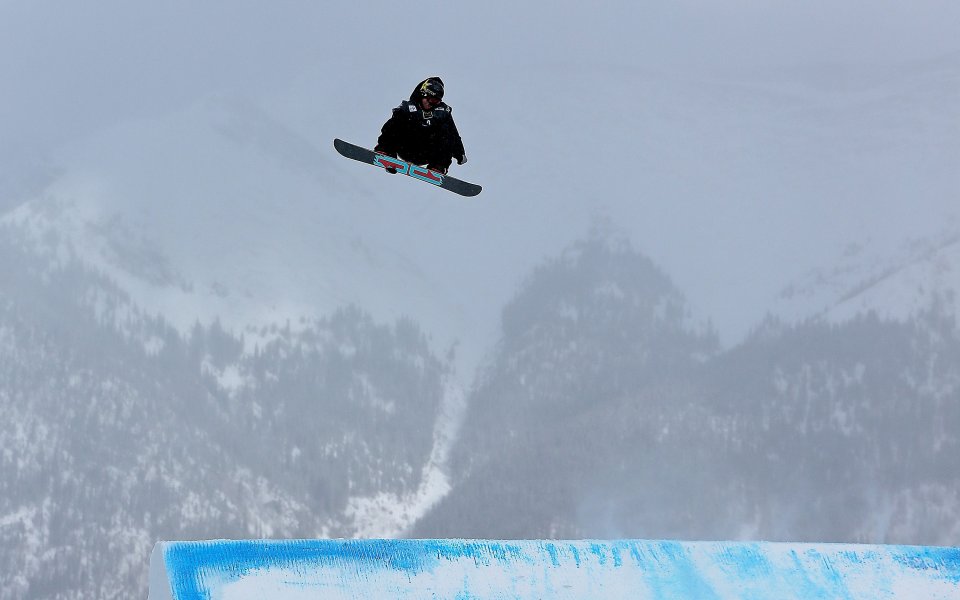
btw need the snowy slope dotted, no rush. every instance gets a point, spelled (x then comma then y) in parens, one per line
(916, 277)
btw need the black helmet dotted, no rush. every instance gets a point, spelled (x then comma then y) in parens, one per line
(432, 88)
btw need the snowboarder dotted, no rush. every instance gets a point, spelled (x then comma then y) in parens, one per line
(421, 130)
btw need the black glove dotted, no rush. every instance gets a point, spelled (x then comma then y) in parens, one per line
(461, 160)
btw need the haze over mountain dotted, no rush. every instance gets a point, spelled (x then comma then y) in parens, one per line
(716, 256)
(738, 188)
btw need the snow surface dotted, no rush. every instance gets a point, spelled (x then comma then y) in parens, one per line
(482, 569)
(920, 275)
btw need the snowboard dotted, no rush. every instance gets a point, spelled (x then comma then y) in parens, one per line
(457, 186)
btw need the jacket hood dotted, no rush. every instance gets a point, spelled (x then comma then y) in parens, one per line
(417, 94)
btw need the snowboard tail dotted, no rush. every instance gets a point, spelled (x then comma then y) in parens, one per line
(402, 167)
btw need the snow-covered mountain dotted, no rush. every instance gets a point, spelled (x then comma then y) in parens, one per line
(917, 277)
(605, 416)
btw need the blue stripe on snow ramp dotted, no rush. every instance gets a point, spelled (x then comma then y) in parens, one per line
(547, 570)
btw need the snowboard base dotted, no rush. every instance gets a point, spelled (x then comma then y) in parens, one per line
(402, 167)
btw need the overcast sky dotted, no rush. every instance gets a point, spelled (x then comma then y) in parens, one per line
(73, 69)
(70, 67)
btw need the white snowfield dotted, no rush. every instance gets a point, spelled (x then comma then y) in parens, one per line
(544, 570)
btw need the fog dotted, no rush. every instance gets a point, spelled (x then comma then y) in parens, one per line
(709, 289)
(72, 68)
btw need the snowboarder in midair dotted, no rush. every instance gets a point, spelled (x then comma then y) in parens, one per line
(421, 130)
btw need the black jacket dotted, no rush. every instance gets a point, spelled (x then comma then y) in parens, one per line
(421, 137)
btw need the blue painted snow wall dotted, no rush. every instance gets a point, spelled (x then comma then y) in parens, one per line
(548, 570)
